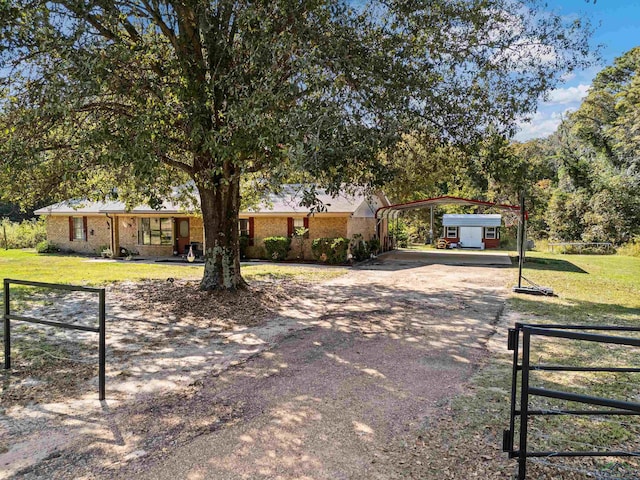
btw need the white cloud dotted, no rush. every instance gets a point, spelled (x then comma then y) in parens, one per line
(541, 125)
(536, 129)
(567, 77)
(563, 96)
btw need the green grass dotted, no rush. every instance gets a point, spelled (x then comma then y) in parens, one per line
(592, 290)
(77, 270)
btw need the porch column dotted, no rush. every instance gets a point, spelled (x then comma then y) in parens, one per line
(116, 236)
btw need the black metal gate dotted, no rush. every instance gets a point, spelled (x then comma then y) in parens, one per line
(100, 329)
(522, 366)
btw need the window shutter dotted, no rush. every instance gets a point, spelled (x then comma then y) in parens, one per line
(84, 228)
(71, 229)
(251, 230)
(305, 224)
(290, 227)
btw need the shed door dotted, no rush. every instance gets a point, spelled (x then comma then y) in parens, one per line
(471, 236)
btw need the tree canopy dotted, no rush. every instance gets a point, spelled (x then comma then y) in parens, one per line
(126, 98)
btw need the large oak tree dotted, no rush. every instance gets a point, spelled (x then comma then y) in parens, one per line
(125, 98)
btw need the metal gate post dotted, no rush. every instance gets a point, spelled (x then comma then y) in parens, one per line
(514, 341)
(7, 327)
(524, 405)
(102, 345)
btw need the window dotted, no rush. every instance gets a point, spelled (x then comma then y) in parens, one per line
(155, 231)
(78, 230)
(451, 232)
(298, 225)
(491, 233)
(243, 227)
(246, 229)
(183, 228)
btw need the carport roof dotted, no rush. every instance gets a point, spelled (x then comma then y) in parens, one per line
(445, 200)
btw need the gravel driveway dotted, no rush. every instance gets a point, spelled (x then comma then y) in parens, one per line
(355, 364)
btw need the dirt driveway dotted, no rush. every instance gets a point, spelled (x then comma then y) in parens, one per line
(355, 365)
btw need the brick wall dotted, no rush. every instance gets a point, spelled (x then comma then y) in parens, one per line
(319, 227)
(363, 226)
(196, 229)
(98, 233)
(328, 227)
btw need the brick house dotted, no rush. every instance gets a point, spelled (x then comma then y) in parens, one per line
(90, 227)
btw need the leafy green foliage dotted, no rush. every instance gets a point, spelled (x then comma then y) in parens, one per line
(244, 243)
(277, 248)
(46, 247)
(127, 98)
(330, 250)
(400, 232)
(25, 234)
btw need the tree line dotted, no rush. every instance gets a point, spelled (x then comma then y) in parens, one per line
(582, 183)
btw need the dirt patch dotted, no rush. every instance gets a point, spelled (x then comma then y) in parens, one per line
(51, 364)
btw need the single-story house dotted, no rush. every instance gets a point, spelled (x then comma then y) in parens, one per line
(91, 227)
(472, 230)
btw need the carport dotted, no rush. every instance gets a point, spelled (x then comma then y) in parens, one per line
(387, 215)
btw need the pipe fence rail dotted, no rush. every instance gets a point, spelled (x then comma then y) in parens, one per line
(100, 329)
(520, 412)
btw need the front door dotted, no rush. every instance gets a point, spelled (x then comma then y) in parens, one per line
(471, 237)
(182, 235)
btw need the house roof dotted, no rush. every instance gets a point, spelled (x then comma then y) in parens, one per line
(471, 220)
(289, 199)
(286, 202)
(76, 207)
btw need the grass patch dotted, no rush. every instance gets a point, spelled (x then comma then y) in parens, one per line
(293, 272)
(591, 290)
(77, 270)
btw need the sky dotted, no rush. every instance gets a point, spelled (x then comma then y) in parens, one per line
(617, 24)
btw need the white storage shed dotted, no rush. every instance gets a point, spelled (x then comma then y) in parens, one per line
(472, 230)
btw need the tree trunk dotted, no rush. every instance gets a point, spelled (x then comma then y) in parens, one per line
(220, 207)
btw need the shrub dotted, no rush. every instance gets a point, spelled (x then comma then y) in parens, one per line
(26, 234)
(362, 250)
(359, 248)
(631, 248)
(46, 246)
(277, 248)
(588, 250)
(330, 250)
(401, 234)
(374, 246)
(244, 243)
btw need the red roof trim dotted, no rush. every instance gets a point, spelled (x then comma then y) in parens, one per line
(428, 201)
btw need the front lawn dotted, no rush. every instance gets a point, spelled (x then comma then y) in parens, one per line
(78, 270)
